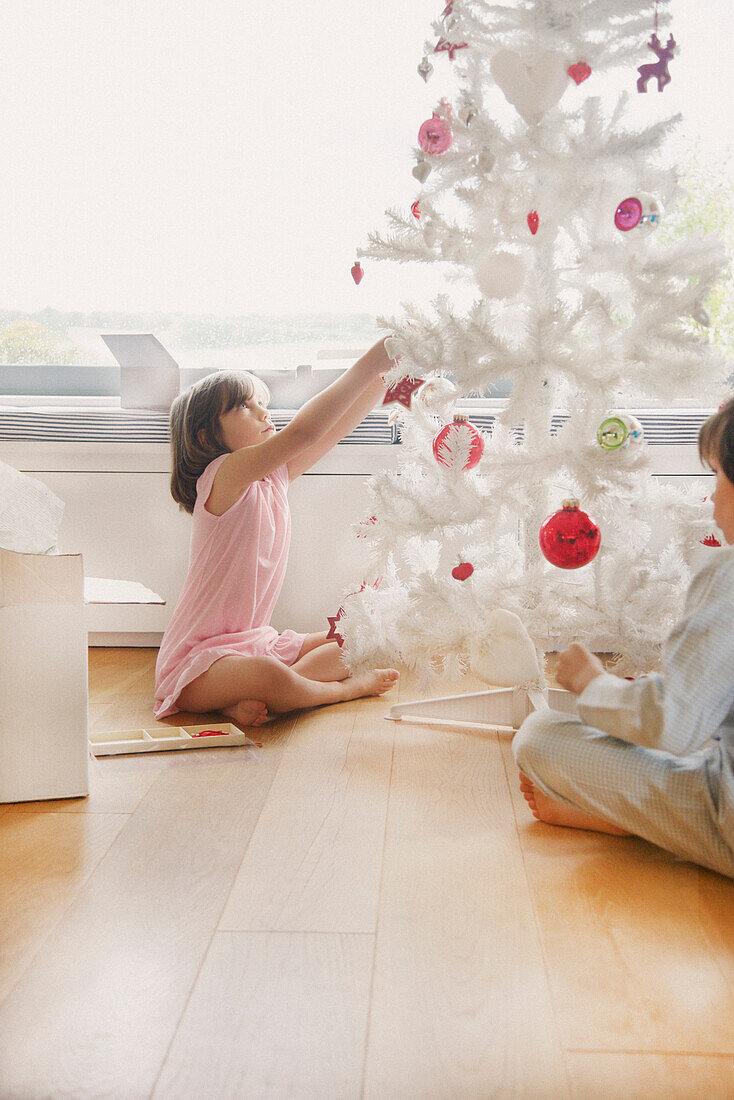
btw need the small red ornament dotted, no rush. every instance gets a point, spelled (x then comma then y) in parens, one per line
(710, 540)
(458, 445)
(333, 634)
(357, 272)
(366, 523)
(402, 392)
(579, 72)
(416, 210)
(569, 538)
(533, 221)
(462, 571)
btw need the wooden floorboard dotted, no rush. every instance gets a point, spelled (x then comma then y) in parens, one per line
(369, 911)
(629, 1076)
(635, 962)
(315, 859)
(459, 993)
(95, 1014)
(45, 859)
(274, 1014)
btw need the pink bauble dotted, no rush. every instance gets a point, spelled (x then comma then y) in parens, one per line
(458, 445)
(435, 135)
(569, 538)
(628, 214)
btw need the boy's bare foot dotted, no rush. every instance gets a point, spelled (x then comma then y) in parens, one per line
(248, 712)
(546, 809)
(375, 682)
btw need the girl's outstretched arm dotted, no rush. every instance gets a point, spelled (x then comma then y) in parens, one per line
(349, 397)
(354, 415)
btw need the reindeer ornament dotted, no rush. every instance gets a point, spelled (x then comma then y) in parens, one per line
(659, 69)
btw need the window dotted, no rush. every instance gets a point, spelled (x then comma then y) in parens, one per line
(209, 178)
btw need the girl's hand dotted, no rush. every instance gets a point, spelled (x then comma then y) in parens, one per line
(576, 668)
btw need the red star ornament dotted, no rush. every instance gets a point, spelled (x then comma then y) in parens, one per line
(334, 634)
(402, 392)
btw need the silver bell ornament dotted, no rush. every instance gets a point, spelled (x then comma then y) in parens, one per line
(701, 315)
(429, 235)
(425, 69)
(485, 161)
(653, 211)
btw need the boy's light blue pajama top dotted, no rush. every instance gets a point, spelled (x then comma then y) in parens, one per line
(655, 756)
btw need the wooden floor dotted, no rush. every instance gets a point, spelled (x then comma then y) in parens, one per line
(369, 910)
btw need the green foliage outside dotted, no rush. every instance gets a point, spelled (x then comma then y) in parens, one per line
(707, 206)
(27, 341)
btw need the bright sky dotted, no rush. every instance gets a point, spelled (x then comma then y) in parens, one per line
(228, 157)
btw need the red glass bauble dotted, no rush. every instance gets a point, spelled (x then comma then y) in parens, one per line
(435, 135)
(462, 571)
(569, 538)
(628, 214)
(458, 445)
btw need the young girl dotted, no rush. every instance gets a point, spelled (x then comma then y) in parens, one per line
(653, 757)
(231, 470)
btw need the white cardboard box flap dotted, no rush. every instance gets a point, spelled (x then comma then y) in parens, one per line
(103, 590)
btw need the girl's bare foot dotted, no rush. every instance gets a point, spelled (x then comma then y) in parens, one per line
(375, 682)
(546, 809)
(248, 712)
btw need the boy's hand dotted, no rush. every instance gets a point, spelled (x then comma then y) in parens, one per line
(576, 668)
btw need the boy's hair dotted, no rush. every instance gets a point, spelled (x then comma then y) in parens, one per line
(195, 431)
(716, 439)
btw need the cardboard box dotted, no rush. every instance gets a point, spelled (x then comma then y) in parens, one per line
(44, 749)
(43, 677)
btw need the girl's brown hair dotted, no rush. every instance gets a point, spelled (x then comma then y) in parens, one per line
(195, 430)
(716, 439)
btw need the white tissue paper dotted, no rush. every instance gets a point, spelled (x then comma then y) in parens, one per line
(30, 514)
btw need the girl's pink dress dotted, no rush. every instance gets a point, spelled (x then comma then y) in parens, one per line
(237, 563)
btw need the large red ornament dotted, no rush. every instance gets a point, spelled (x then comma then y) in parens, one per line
(569, 538)
(435, 135)
(458, 445)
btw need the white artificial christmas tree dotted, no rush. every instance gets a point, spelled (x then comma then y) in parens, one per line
(570, 305)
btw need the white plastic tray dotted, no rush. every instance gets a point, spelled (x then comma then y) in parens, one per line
(165, 738)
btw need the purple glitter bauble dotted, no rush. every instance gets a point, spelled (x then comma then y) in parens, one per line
(628, 214)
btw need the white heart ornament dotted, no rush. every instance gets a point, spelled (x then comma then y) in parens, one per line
(532, 87)
(500, 274)
(509, 658)
(422, 171)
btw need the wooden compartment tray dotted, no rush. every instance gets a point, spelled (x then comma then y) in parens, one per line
(165, 738)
